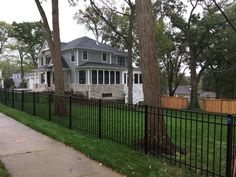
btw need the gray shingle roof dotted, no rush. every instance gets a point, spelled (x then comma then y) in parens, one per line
(183, 90)
(90, 44)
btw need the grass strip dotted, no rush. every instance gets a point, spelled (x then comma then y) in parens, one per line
(118, 157)
(3, 171)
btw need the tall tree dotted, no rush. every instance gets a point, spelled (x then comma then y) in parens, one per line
(54, 42)
(171, 55)
(115, 21)
(151, 75)
(198, 30)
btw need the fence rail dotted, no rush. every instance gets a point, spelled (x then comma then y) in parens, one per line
(203, 143)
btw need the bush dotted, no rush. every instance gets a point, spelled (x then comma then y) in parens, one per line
(9, 83)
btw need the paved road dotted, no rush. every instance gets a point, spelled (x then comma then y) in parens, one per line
(27, 153)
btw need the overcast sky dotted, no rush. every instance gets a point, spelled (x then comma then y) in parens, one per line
(26, 10)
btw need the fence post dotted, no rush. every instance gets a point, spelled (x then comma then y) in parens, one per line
(5, 98)
(70, 119)
(100, 119)
(22, 100)
(12, 100)
(49, 107)
(229, 146)
(34, 104)
(146, 129)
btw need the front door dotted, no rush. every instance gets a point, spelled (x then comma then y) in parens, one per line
(48, 79)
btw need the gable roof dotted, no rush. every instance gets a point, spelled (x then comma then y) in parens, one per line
(90, 44)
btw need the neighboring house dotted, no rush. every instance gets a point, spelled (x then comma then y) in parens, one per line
(17, 79)
(28, 77)
(183, 91)
(206, 94)
(90, 68)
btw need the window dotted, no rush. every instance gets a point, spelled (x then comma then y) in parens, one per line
(104, 57)
(106, 94)
(72, 59)
(140, 79)
(42, 62)
(112, 75)
(85, 55)
(125, 78)
(106, 77)
(100, 77)
(121, 61)
(117, 77)
(82, 77)
(136, 78)
(48, 59)
(94, 77)
(42, 79)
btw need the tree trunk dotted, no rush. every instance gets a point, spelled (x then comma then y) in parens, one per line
(194, 85)
(157, 134)
(130, 54)
(21, 69)
(55, 50)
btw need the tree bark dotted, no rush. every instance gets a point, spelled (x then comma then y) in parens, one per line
(130, 43)
(194, 83)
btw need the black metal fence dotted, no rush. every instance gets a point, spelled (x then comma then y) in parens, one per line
(201, 142)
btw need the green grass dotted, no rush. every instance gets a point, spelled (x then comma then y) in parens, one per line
(3, 171)
(200, 134)
(120, 158)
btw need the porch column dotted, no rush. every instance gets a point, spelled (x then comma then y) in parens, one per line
(45, 77)
(89, 83)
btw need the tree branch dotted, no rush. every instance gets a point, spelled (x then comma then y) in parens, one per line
(225, 16)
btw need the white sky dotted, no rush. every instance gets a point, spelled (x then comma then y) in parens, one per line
(26, 10)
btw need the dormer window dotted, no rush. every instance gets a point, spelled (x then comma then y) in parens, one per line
(104, 57)
(85, 55)
(72, 57)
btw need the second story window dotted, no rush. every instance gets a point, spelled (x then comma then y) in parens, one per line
(85, 55)
(104, 57)
(72, 59)
(121, 61)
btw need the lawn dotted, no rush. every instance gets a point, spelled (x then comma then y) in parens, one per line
(202, 135)
(3, 171)
(119, 157)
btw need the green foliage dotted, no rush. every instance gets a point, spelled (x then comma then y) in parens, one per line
(8, 68)
(220, 73)
(4, 34)
(9, 83)
(30, 37)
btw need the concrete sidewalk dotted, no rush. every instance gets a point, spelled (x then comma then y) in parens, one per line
(27, 153)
